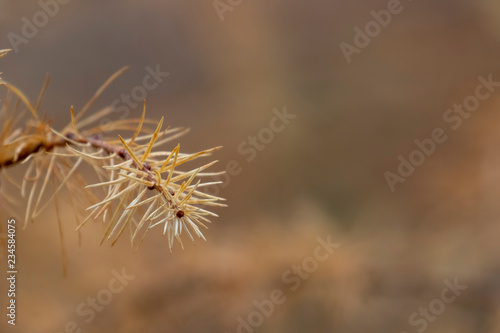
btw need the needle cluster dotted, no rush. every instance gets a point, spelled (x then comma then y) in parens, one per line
(140, 187)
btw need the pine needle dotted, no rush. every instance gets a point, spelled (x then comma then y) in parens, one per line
(131, 153)
(153, 139)
(42, 92)
(139, 127)
(22, 97)
(99, 92)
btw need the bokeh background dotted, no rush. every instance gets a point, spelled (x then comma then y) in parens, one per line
(322, 176)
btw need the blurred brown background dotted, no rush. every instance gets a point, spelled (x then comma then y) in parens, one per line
(323, 175)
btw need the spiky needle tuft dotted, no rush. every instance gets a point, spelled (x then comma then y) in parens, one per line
(143, 188)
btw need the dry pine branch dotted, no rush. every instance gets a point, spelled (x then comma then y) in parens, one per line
(142, 187)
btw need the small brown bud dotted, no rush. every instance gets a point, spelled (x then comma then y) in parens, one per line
(122, 153)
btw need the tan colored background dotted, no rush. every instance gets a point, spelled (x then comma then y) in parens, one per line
(322, 176)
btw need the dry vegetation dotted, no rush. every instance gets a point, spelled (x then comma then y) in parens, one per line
(143, 186)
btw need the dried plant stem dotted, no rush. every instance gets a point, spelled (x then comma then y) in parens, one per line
(137, 179)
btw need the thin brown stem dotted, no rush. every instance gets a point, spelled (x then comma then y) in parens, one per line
(17, 152)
